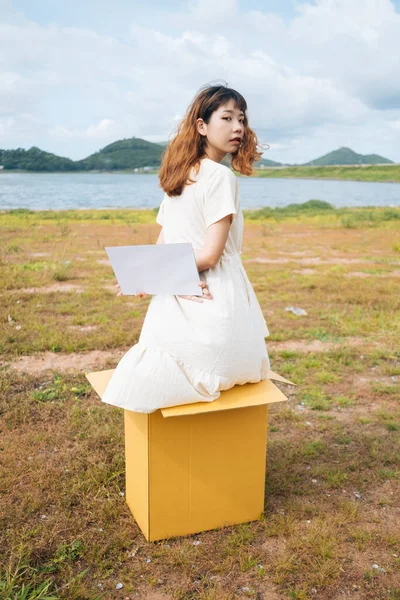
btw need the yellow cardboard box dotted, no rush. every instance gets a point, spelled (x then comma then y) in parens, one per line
(195, 467)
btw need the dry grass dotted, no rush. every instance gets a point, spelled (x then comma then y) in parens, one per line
(333, 468)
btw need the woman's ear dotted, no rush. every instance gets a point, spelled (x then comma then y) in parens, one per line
(201, 128)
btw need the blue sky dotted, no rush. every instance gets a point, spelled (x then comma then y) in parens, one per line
(103, 18)
(318, 74)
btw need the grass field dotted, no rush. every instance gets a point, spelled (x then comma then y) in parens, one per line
(390, 173)
(331, 525)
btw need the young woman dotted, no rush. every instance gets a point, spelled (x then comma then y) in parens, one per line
(191, 348)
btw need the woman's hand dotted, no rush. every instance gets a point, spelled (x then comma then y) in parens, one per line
(202, 284)
(138, 295)
(206, 294)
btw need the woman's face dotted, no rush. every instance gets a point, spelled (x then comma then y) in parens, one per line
(226, 124)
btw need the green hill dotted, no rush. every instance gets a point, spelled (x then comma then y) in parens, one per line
(265, 162)
(132, 153)
(125, 154)
(347, 156)
(34, 159)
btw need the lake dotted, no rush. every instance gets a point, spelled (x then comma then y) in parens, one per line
(57, 191)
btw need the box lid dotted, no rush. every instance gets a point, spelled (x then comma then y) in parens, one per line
(276, 377)
(99, 380)
(239, 396)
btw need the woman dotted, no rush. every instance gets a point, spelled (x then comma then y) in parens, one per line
(191, 348)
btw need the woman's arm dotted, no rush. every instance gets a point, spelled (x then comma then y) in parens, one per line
(214, 244)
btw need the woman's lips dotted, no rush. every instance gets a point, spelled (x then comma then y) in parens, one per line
(235, 141)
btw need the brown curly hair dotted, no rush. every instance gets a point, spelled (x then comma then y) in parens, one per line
(186, 149)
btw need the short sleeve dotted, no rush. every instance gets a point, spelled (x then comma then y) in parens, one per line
(220, 196)
(160, 214)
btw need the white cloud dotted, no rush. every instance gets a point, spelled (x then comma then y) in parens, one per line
(355, 43)
(329, 77)
(100, 131)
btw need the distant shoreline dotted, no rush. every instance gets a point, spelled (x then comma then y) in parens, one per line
(297, 207)
(330, 179)
(357, 173)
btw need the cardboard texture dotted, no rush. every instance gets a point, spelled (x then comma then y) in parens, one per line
(194, 467)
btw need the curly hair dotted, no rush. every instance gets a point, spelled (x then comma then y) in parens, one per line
(187, 148)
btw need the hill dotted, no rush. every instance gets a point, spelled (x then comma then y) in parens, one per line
(34, 159)
(132, 153)
(265, 162)
(124, 154)
(347, 156)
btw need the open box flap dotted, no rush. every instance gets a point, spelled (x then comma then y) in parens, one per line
(239, 396)
(99, 380)
(277, 377)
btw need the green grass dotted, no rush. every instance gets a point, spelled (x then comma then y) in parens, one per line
(368, 173)
(64, 524)
(321, 211)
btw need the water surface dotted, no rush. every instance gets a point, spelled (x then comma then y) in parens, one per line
(43, 191)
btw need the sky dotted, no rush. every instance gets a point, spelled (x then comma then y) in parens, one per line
(316, 74)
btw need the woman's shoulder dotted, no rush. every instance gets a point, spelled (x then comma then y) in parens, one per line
(214, 169)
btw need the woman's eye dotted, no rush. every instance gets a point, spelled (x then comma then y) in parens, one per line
(226, 118)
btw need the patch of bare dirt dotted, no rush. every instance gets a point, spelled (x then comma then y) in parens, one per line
(348, 415)
(87, 361)
(305, 271)
(103, 261)
(273, 546)
(54, 287)
(84, 328)
(268, 592)
(316, 260)
(54, 361)
(357, 274)
(367, 379)
(35, 254)
(155, 595)
(297, 253)
(388, 490)
(298, 234)
(97, 358)
(314, 345)
(363, 274)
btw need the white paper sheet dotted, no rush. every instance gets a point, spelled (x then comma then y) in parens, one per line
(156, 269)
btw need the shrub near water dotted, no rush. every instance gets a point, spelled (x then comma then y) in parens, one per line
(310, 207)
(346, 217)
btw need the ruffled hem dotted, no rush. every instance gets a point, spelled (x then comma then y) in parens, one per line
(148, 378)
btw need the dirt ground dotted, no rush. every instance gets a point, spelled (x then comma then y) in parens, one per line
(330, 528)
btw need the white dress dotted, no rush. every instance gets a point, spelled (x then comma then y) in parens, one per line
(189, 351)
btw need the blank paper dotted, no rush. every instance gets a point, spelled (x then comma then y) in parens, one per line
(156, 269)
